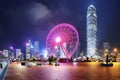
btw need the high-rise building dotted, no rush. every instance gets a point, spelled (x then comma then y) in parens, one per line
(28, 49)
(18, 53)
(5, 52)
(91, 31)
(36, 47)
(28, 46)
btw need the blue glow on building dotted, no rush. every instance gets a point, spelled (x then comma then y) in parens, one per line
(91, 31)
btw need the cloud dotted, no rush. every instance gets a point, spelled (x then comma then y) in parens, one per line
(38, 11)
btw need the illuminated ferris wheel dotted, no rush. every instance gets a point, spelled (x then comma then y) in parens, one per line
(62, 40)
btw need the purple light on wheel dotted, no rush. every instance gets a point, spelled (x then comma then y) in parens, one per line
(58, 39)
(11, 47)
(66, 35)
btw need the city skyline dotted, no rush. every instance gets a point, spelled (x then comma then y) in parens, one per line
(31, 19)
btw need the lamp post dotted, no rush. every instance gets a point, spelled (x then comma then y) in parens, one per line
(106, 51)
(115, 51)
(106, 55)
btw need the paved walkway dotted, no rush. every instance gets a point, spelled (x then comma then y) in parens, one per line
(45, 72)
(69, 71)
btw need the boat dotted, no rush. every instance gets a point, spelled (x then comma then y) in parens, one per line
(107, 64)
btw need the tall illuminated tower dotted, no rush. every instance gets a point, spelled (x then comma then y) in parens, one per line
(36, 47)
(28, 49)
(91, 31)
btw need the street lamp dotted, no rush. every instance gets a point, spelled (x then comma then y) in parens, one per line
(106, 50)
(115, 50)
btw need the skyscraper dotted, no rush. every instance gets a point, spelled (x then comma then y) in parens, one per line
(36, 47)
(18, 53)
(6, 53)
(28, 46)
(28, 49)
(91, 31)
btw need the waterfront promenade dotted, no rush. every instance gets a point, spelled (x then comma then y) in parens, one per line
(66, 71)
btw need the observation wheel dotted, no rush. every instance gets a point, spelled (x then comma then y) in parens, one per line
(62, 40)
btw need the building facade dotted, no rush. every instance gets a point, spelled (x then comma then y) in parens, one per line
(91, 31)
(28, 49)
(36, 47)
(18, 53)
(6, 53)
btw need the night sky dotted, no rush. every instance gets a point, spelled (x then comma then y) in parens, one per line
(21, 20)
